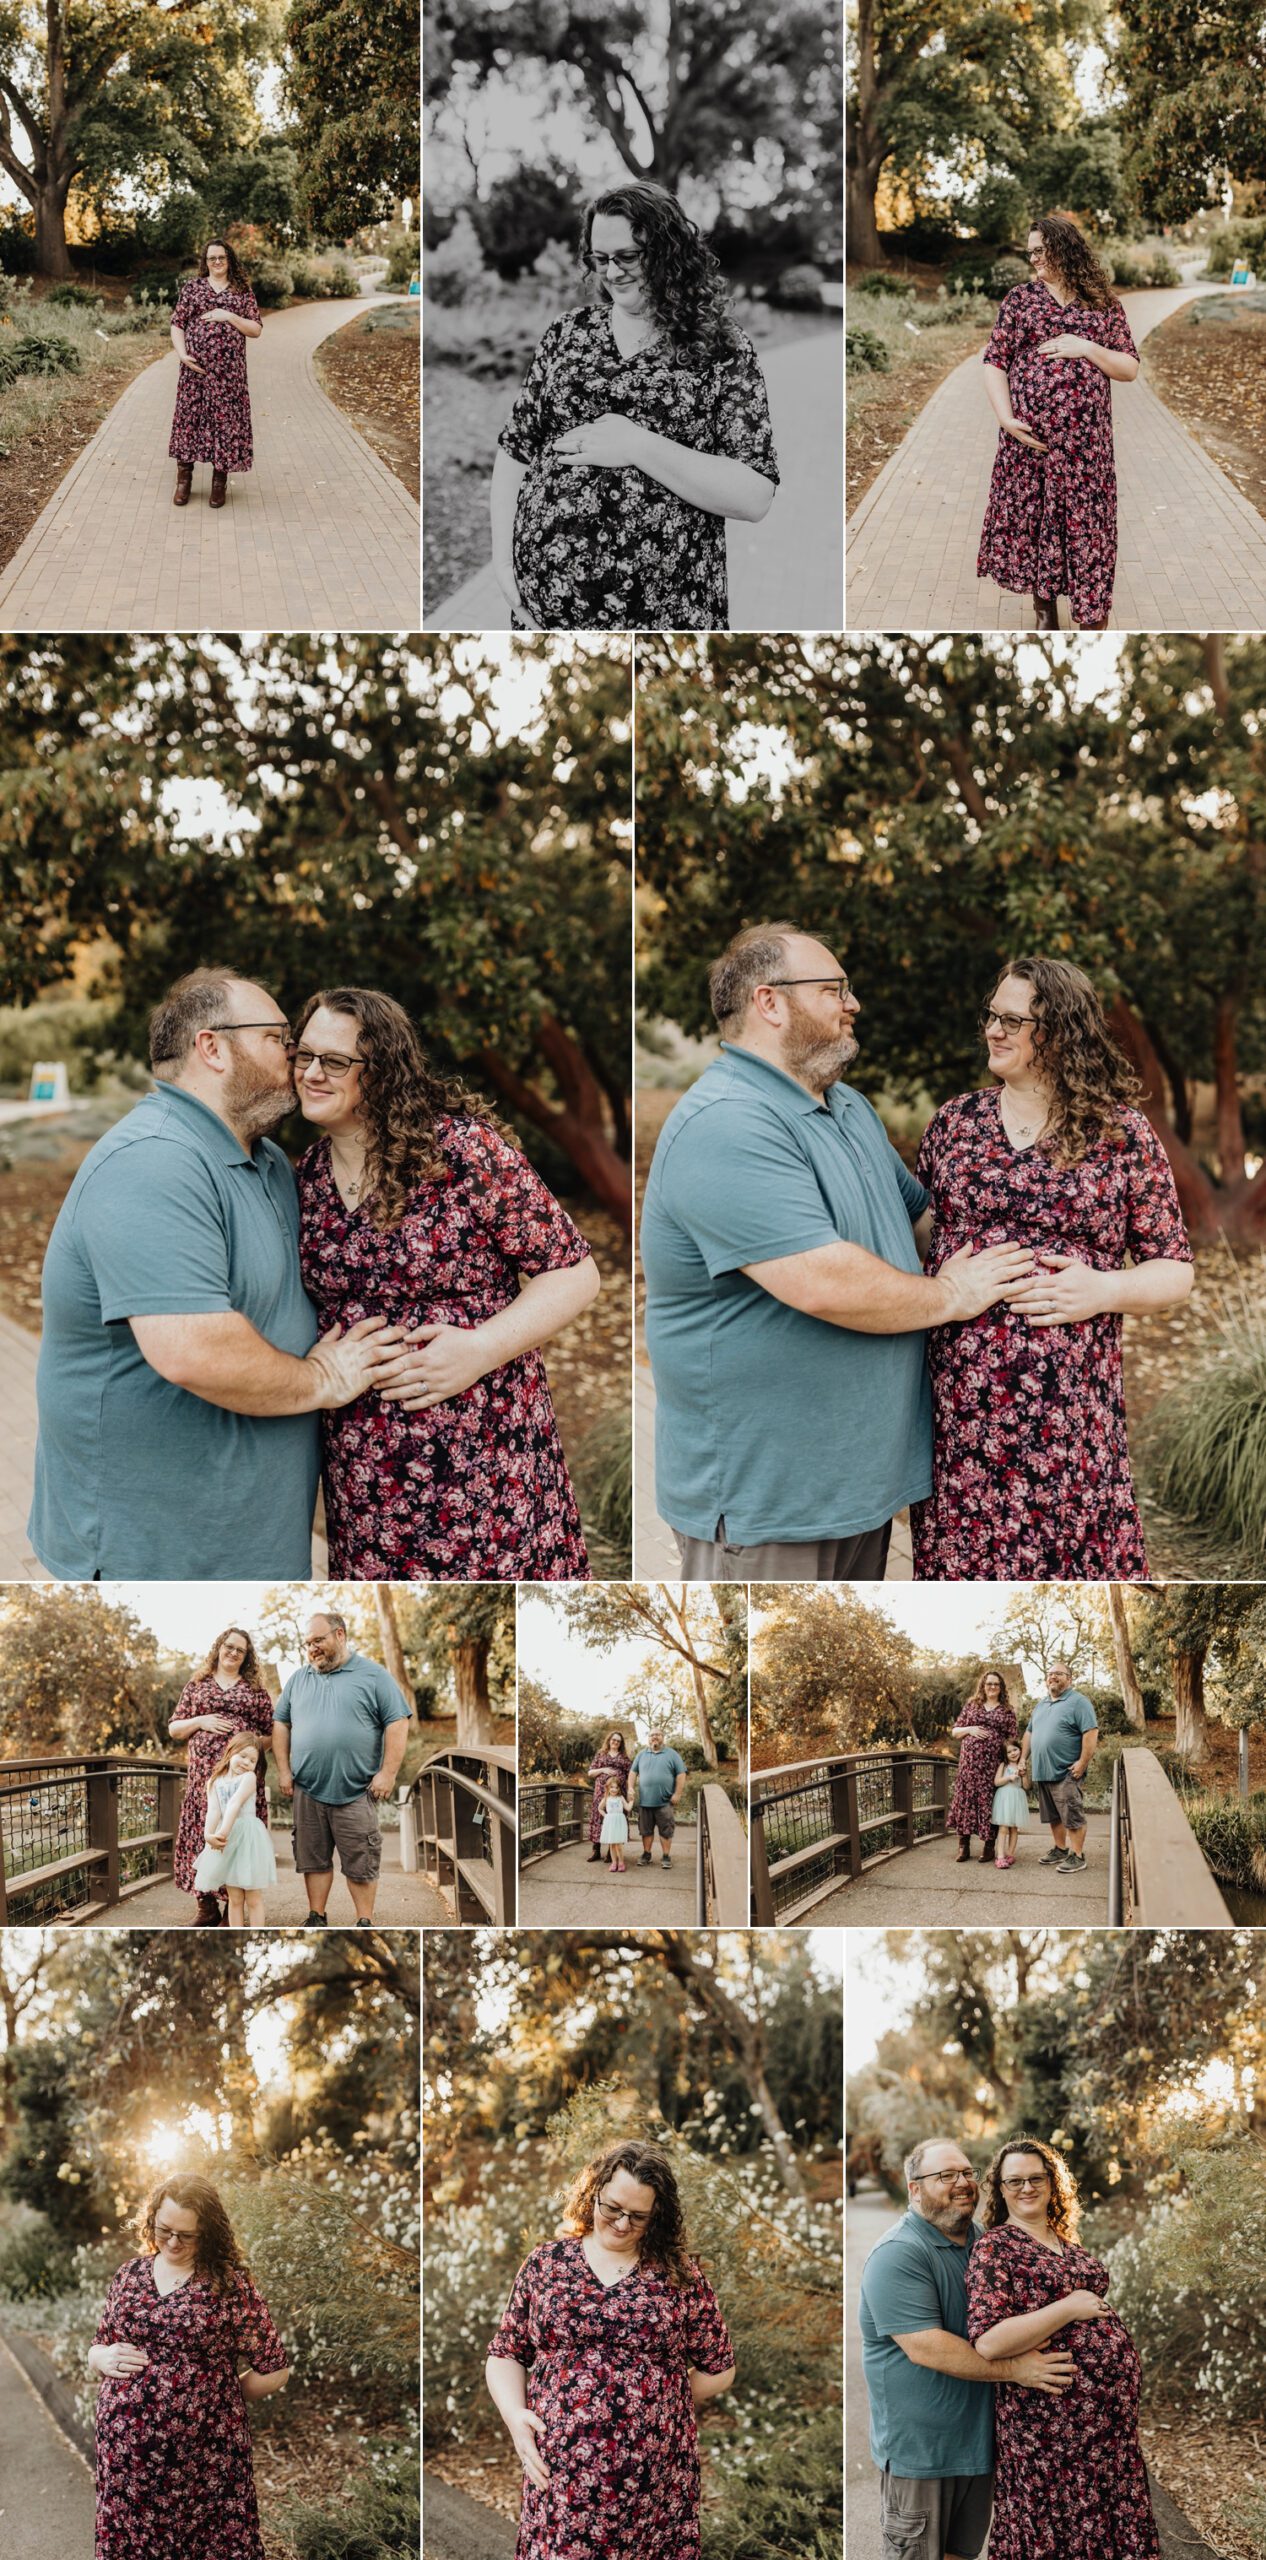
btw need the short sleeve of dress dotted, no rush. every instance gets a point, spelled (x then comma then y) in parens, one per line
(1154, 1225)
(1118, 331)
(928, 1158)
(704, 2334)
(526, 1223)
(990, 2294)
(109, 2332)
(1005, 335)
(252, 311)
(741, 425)
(250, 2327)
(528, 429)
(184, 311)
(513, 2336)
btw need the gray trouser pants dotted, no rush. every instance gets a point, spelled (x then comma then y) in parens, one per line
(859, 1559)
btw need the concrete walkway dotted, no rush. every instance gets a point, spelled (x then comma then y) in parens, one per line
(784, 574)
(46, 2494)
(926, 1888)
(1192, 550)
(404, 1901)
(455, 2527)
(319, 535)
(19, 1351)
(564, 1891)
(654, 1546)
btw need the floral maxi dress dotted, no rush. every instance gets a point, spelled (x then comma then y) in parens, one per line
(1051, 523)
(251, 1711)
(1030, 1465)
(613, 549)
(212, 422)
(475, 1489)
(971, 1807)
(1070, 2482)
(174, 2475)
(608, 2371)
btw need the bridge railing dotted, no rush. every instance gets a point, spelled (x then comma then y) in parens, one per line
(553, 1814)
(816, 1822)
(79, 1836)
(721, 1868)
(457, 1827)
(1157, 1877)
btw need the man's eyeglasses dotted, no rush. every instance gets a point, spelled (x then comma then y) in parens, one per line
(279, 1030)
(840, 985)
(624, 262)
(620, 2213)
(946, 2178)
(330, 1062)
(1008, 1022)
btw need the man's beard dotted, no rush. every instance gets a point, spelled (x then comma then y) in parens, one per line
(816, 1061)
(254, 1105)
(952, 2218)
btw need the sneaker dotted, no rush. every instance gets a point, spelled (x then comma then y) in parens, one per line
(364, 1924)
(645, 1859)
(316, 1920)
(1053, 1858)
(665, 1862)
(1072, 1865)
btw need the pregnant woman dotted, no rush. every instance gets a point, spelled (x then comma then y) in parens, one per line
(1030, 1464)
(226, 1696)
(1057, 347)
(184, 2342)
(412, 1201)
(643, 423)
(611, 2340)
(1070, 2482)
(611, 1762)
(214, 317)
(986, 1725)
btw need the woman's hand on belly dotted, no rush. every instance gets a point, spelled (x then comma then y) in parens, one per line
(525, 2427)
(438, 1362)
(1023, 434)
(608, 443)
(1062, 1291)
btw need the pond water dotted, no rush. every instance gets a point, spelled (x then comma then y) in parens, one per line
(1248, 1908)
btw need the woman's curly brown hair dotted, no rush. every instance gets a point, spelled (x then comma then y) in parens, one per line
(250, 1663)
(403, 1098)
(664, 2240)
(238, 278)
(1093, 1084)
(684, 283)
(1074, 261)
(1063, 2210)
(217, 2257)
(990, 1672)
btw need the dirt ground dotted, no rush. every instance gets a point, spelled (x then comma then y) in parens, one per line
(882, 407)
(1212, 375)
(374, 376)
(1206, 2468)
(32, 469)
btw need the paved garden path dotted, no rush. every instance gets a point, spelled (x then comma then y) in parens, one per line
(46, 2494)
(785, 574)
(404, 1901)
(564, 1891)
(1192, 550)
(319, 536)
(455, 2527)
(926, 1888)
(867, 2217)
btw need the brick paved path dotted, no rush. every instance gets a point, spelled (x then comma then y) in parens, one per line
(320, 535)
(784, 573)
(1192, 550)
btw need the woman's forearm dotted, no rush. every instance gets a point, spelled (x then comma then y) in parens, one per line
(507, 2384)
(181, 1727)
(1110, 360)
(999, 391)
(1148, 1286)
(713, 481)
(1026, 2330)
(508, 477)
(261, 2386)
(708, 2386)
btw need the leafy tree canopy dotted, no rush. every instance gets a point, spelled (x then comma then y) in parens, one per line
(352, 78)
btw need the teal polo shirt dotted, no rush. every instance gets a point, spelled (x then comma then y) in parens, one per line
(783, 1425)
(923, 2425)
(1055, 1731)
(337, 1720)
(136, 1479)
(657, 1773)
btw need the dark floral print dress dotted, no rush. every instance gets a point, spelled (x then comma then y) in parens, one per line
(614, 550)
(1030, 1466)
(608, 2371)
(609, 1764)
(1051, 523)
(475, 1489)
(251, 1710)
(213, 408)
(1070, 2483)
(971, 1807)
(174, 2475)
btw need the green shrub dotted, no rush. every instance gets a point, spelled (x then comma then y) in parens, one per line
(1202, 1450)
(403, 261)
(17, 248)
(35, 2263)
(377, 2518)
(320, 279)
(73, 296)
(866, 352)
(272, 283)
(1232, 1837)
(1187, 2283)
(797, 289)
(137, 319)
(883, 286)
(602, 1472)
(985, 270)
(456, 269)
(49, 351)
(493, 338)
(1234, 240)
(776, 2492)
(76, 1032)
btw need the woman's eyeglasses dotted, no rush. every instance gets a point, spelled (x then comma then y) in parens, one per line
(620, 2213)
(1008, 1022)
(623, 262)
(1016, 2186)
(330, 1063)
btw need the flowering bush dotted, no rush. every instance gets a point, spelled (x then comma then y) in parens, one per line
(1187, 2283)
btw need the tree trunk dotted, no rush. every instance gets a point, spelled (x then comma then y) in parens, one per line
(1131, 1694)
(52, 257)
(1230, 1116)
(1191, 1731)
(470, 1680)
(703, 1721)
(577, 1125)
(389, 1634)
(864, 150)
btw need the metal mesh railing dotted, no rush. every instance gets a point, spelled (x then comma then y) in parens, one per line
(47, 1819)
(551, 1818)
(889, 1802)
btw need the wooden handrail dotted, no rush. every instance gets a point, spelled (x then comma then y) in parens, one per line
(721, 1873)
(1157, 1876)
(95, 1778)
(440, 1830)
(840, 1845)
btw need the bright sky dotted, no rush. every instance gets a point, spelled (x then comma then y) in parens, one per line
(187, 1616)
(878, 1994)
(584, 1681)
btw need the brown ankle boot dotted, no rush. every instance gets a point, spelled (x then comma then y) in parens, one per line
(184, 483)
(219, 487)
(964, 1850)
(991, 1841)
(210, 1915)
(1047, 610)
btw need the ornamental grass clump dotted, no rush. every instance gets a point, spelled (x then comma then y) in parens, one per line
(1187, 2282)
(1232, 1837)
(1202, 1449)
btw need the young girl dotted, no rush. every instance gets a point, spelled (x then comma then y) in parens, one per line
(1010, 1814)
(238, 1857)
(615, 1825)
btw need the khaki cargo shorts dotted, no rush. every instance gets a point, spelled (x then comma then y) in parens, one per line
(353, 1829)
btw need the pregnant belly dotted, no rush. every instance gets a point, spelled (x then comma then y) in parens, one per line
(596, 2414)
(573, 530)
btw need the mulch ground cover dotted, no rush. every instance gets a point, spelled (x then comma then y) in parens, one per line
(1211, 373)
(374, 376)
